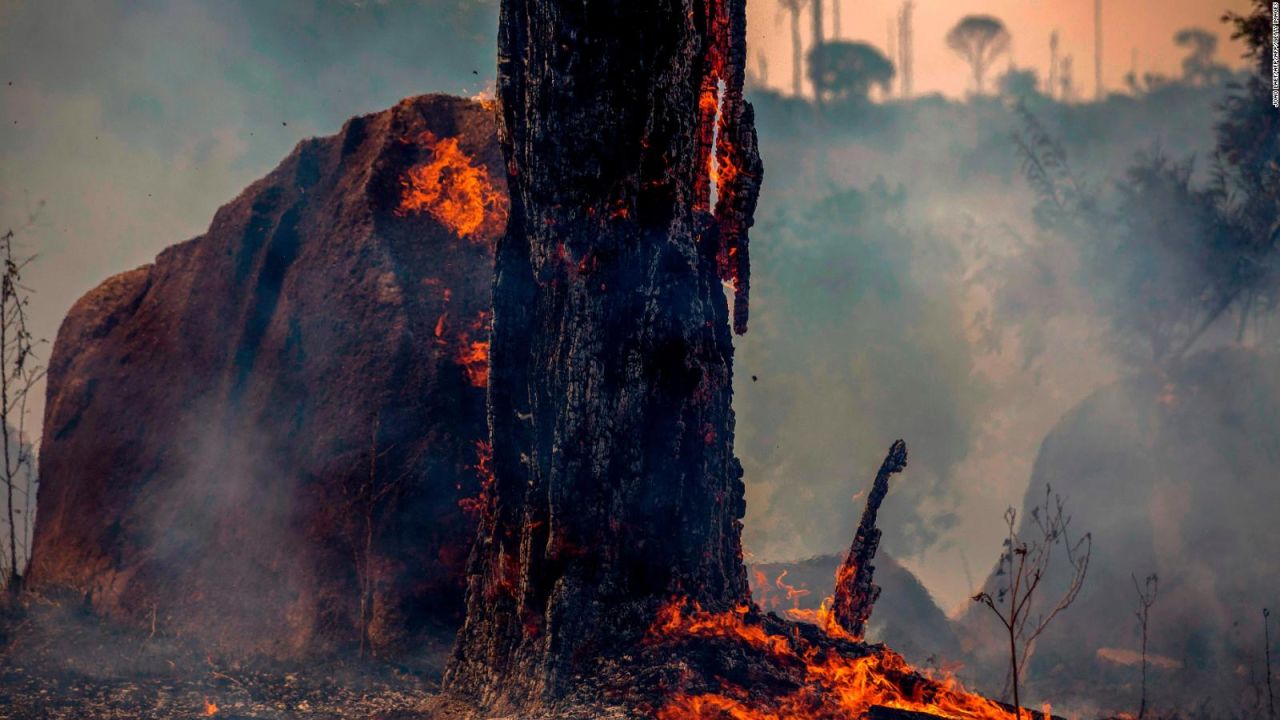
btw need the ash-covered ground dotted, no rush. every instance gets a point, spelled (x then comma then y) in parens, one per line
(59, 662)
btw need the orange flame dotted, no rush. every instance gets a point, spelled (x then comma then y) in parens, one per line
(474, 354)
(479, 505)
(210, 708)
(766, 599)
(453, 190)
(835, 684)
(793, 593)
(474, 358)
(824, 617)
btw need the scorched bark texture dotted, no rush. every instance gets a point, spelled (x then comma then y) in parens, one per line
(614, 481)
(855, 594)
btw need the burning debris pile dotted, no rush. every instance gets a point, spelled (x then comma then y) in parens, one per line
(746, 665)
(782, 670)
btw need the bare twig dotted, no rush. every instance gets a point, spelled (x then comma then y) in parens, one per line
(19, 373)
(1266, 637)
(1022, 567)
(1147, 592)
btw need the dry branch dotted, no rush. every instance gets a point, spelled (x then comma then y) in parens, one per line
(855, 593)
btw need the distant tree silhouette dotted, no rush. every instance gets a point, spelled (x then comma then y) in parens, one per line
(1066, 79)
(793, 7)
(846, 71)
(1199, 67)
(1019, 84)
(979, 39)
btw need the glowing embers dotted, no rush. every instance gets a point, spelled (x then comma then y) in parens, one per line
(474, 354)
(210, 708)
(455, 190)
(479, 507)
(837, 679)
(469, 343)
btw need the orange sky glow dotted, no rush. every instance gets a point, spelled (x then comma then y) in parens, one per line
(1141, 28)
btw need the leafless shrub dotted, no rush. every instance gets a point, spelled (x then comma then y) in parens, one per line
(1023, 566)
(19, 374)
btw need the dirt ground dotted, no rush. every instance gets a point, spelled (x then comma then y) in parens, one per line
(59, 662)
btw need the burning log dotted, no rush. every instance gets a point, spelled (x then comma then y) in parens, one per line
(855, 594)
(881, 712)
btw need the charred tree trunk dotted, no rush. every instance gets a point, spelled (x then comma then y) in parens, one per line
(614, 482)
(855, 594)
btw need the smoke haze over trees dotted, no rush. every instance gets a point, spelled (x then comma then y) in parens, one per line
(926, 249)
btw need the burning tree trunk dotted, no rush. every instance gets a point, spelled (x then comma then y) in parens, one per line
(855, 593)
(614, 482)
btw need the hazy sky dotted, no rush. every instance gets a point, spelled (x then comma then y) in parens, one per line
(1146, 26)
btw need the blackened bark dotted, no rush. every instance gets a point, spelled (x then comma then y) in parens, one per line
(855, 594)
(614, 481)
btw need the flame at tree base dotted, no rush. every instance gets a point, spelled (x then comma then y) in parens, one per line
(819, 675)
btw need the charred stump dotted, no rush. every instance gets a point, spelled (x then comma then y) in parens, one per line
(614, 484)
(855, 594)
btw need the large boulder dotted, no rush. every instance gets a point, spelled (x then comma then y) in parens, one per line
(1174, 473)
(269, 439)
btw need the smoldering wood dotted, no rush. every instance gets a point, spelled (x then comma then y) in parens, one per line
(880, 712)
(614, 480)
(855, 593)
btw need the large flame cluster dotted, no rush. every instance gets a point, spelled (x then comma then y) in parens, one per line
(836, 683)
(455, 190)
